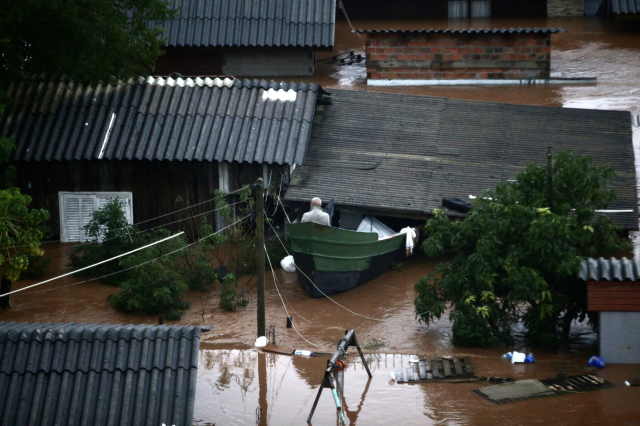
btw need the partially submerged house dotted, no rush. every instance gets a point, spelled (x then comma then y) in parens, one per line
(151, 141)
(97, 374)
(246, 38)
(613, 291)
(458, 56)
(399, 155)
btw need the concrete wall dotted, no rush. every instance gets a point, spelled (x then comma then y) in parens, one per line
(424, 56)
(619, 337)
(268, 63)
(565, 8)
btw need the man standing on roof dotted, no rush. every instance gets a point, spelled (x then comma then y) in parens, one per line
(316, 214)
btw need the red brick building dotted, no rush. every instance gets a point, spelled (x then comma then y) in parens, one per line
(417, 56)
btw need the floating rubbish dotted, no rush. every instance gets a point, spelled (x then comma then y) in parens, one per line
(508, 356)
(554, 386)
(303, 353)
(596, 361)
(435, 370)
(518, 357)
(288, 264)
(529, 358)
(632, 383)
(261, 342)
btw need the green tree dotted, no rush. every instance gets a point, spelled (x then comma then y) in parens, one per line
(20, 227)
(516, 257)
(88, 40)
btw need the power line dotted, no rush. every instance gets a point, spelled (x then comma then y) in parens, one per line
(321, 292)
(275, 280)
(91, 266)
(138, 223)
(139, 232)
(144, 263)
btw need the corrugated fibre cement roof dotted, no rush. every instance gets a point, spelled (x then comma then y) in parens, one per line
(97, 374)
(295, 23)
(610, 269)
(155, 118)
(465, 31)
(405, 153)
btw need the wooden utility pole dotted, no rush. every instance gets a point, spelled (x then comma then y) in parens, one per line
(262, 329)
(549, 179)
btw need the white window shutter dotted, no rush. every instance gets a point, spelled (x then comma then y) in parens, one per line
(76, 211)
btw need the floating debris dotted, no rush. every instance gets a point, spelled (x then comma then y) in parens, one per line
(530, 389)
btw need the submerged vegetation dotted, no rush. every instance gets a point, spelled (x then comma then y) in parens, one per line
(156, 280)
(516, 255)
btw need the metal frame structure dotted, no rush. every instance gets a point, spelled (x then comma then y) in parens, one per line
(329, 379)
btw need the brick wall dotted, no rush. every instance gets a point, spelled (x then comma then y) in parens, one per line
(565, 8)
(458, 56)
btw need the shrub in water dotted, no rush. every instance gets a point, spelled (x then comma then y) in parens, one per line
(109, 235)
(156, 287)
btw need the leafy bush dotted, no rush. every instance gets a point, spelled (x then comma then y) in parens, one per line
(36, 268)
(156, 287)
(230, 299)
(109, 235)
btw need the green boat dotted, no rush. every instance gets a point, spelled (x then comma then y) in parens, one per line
(338, 260)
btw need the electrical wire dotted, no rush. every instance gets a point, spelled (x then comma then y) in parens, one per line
(275, 282)
(138, 223)
(344, 11)
(91, 266)
(143, 263)
(137, 232)
(321, 292)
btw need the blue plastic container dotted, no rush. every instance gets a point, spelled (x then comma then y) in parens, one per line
(596, 361)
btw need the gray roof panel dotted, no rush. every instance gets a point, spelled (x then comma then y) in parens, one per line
(465, 31)
(406, 153)
(610, 269)
(97, 374)
(159, 119)
(252, 23)
(625, 6)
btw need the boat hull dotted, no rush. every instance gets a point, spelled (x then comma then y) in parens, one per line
(333, 260)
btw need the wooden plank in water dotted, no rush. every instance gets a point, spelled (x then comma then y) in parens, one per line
(434, 369)
(278, 350)
(446, 367)
(457, 366)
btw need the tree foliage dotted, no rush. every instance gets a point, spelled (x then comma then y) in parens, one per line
(516, 257)
(88, 40)
(109, 234)
(155, 285)
(20, 227)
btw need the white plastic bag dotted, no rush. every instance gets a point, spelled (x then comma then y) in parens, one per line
(261, 342)
(517, 357)
(288, 264)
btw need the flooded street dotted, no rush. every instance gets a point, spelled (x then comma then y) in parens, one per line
(238, 385)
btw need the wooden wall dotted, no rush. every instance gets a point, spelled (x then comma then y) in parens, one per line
(237, 61)
(435, 9)
(155, 184)
(613, 296)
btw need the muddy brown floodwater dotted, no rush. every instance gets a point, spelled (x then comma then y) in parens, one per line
(238, 385)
